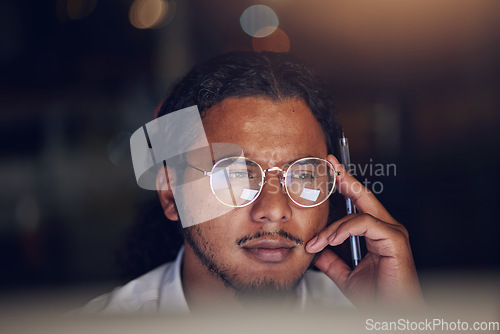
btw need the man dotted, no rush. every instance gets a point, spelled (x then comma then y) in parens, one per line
(257, 213)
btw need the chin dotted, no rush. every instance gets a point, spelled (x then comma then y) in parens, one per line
(276, 279)
(267, 286)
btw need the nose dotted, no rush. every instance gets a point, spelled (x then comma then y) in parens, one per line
(272, 205)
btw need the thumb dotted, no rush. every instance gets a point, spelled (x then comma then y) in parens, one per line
(334, 267)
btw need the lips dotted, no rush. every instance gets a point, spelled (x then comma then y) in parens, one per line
(269, 250)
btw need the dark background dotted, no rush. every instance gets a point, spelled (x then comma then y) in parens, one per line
(416, 84)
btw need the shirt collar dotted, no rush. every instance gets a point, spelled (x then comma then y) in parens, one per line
(172, 299)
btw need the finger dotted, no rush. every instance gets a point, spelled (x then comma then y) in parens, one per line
(334, 267)
(323, 238)
(361, 197)
(382, 238)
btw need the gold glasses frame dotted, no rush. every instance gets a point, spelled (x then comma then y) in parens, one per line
(284, 173)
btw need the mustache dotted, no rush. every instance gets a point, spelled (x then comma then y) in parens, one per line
(280, 233)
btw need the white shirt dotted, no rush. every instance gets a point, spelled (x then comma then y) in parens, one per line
(160, 291)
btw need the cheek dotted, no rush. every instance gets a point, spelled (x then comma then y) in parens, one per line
(197, 204)
(313, 220)
(220, 232)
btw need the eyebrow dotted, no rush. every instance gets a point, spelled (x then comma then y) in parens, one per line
(229, 155)
(214, 159)
(289, 162)
(305, 162)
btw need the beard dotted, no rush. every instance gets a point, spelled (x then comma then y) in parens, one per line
(246, 289)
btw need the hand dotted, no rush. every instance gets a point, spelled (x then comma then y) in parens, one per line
(387, 274)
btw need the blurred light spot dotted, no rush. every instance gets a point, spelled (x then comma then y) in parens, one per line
(259, 21)
(278, 41)
(151, 14)
(27, 213)
(119, 148)
(74, 9)
(78, 9)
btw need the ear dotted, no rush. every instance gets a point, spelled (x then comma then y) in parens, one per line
(165, 194)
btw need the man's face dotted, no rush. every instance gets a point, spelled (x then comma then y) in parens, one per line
(259, 247)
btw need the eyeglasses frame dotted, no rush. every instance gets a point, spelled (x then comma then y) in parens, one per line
(284, 173)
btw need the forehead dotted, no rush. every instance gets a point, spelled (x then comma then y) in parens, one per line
(277, 131)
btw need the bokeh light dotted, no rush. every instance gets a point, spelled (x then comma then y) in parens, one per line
(78, 9)
(151, 14)
(278, 41)
(259, 21)
(74, 9)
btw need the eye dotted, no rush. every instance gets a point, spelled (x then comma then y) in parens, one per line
(303, 175)
(239, 174)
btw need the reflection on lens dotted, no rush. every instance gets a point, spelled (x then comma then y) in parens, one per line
(249, 194)
(310, 194)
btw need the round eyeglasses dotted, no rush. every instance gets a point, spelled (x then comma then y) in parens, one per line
(238, 181)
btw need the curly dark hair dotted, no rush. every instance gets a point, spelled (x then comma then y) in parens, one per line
(276, 76)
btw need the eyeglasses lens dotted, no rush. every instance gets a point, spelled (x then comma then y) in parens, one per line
(309, 181)
(236, 181)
